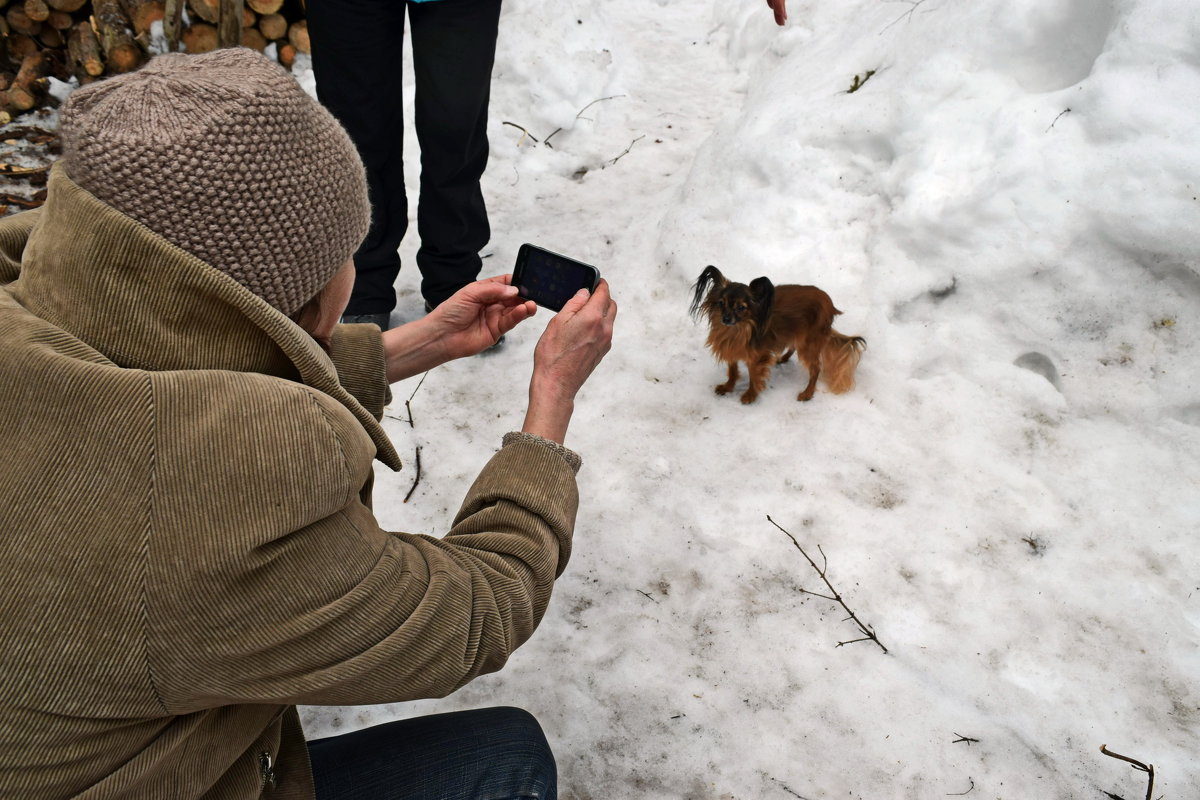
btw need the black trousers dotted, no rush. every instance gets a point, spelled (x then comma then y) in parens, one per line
(357, 47)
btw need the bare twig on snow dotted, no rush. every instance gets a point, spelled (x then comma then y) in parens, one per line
(522, 130)
(408, 402)
(868, 632)
(960, 794)
(1064, 111)
(787, 788)
(907, 15)
(612, 161)
(1146, 768)
(417, 479)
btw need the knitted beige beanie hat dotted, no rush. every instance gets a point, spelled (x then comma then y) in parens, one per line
(224, 155)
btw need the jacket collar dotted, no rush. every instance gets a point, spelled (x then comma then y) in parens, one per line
(146, 304)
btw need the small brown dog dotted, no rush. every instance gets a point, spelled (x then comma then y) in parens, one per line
(763, 324)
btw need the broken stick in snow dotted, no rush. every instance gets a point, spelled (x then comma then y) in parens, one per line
(868, 632)
(417, 480)
(1146, 768)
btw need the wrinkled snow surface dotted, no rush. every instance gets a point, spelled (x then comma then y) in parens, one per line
(1007, 210)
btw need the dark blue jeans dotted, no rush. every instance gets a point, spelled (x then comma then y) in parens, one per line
(488, 754)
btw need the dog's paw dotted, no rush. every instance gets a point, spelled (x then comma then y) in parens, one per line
(724, 388)
(805, 396)
(749, 397)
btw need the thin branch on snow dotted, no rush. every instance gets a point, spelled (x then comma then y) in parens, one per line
(601, 100)
(612, 161)
(960, 794)
(868, 632)
(787, 788)
(1064, 111)
(1147, 768)
(580, 115)
(967, 739)
(417, 480)
(907, 15)
(522, 130)
(526, 132)
(408, 402)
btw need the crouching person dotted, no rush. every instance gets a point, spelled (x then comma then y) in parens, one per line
(188, 543)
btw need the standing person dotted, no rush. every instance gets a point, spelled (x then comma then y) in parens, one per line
(356, 50)
(188, 544)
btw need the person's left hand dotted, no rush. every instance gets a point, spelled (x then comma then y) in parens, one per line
(477, 315)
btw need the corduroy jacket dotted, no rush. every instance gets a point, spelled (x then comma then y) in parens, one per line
(187, 548)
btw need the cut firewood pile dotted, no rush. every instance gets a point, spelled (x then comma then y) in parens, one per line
(26, 152)
(81, 41)
(90, 39)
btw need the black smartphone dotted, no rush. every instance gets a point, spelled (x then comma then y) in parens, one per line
(550, 280)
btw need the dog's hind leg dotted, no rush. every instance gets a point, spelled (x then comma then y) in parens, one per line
(760, 370)
(783, 358)
(811, 356)
(727, 386)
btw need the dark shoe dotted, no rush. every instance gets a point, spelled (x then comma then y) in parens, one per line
(382, 320)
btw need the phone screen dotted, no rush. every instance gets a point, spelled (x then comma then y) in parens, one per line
(550, 280)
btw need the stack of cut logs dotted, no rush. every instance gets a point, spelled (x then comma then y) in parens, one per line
(90, 39)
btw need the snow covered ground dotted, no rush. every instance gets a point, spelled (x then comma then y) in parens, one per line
(1007, 210)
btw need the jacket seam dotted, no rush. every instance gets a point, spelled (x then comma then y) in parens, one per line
(146, 533)
(337, 441)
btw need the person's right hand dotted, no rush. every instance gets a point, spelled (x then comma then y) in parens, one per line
(573, 344)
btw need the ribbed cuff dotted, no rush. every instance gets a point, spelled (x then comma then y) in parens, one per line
(574, 461)
(357, 353)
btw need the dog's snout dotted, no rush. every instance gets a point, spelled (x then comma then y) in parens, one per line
(727, 319)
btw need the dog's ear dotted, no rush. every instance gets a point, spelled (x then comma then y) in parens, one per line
(710, 277)
(763, 292)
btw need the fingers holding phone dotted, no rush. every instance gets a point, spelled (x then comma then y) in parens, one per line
(577, 339)
(572, 346)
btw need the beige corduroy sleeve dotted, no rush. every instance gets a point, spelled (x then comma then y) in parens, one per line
(14, 231)
(357, 353)
(269, 580)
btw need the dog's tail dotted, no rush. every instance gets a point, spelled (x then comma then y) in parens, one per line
(839, 359)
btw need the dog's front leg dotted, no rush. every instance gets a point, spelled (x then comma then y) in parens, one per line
(760, 370)
(727, 386)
